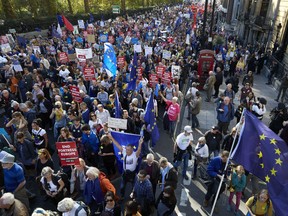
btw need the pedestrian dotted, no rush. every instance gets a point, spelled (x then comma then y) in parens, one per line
(248, 78)
(278, 116)
(245, 91)
(225, 114)
(215, 171)
(260, 204)
(219, 81)
(283, 88)
(213, 139)
(168, 175)
(229, 139)
(68, 207)
(143, 193)
(195, 105)
(10, 206)
(201, 154)
(183, 149)
(238, 182)
(209, 85)
(111, 207)
(259, 108)
(166, 202)
(273, 71)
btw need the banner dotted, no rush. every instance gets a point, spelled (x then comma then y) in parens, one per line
(153, 79)
(137, 48)
(81, 24)
(166, 54)
(75, 92)
(63, 57)
(117, 123)
(121, 61)
(166, 78)
(89, 73)
(160, 70)
(36, 49)
(86, 52)
(68, 154)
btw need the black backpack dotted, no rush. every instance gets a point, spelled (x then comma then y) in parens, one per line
(82, 205)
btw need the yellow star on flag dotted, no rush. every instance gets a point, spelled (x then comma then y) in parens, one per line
(277, 151)
(278, 161)
(267, 178)
(262, 165)
(152, 110)
(273, 171)
(260, 155)
(262, 137)
(273, 141)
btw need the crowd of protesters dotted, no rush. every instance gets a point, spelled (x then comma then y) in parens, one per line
(40, 110)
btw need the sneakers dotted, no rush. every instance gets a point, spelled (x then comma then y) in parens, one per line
(205, 203)
(228, 208)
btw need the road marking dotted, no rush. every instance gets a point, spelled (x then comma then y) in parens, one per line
(187, 182)
(177, 211)
(184, 197)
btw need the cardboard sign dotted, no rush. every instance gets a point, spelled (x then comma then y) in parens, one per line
(117, 123)
(166, 78)
(75, 92)
(86, 52)
(148, 51)
(176, 71)
(89, 73)
(75, 31)
(160, 70)
(139, 73)
(137, 48)
(127, 40)
(4, 39)
(36, 49)
(91, 38)
(10, 38)
(6, 48)
(121, 61)
(153, 79)
(81, 24)
(63, 57)
(68, 154)
(72, 57)
(166, 54)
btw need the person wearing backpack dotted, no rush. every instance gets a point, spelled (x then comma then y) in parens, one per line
(69, 207)
(260, 204)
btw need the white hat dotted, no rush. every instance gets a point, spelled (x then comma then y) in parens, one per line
(188, 129)
(5, 157)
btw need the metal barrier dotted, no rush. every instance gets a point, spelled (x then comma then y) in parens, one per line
(281, 67)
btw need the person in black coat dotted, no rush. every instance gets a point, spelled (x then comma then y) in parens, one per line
(278, 115)
(228, 140)
(166, 202)
(219, 81)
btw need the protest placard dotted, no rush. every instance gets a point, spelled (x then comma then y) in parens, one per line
(91, 38)
(148, 51)
(166, 54)
(63, 57)
(153, 79)
(127, 39)
(89, 73)
(6, 48)
(137, 48)
(121, 61)
(4, 39)
(68, 154)
(86, 52)
(36, 49)
(117, 123)
(10, 38)
(75, 31)
(175, 70)
(81, 24)
(166, 78)
(75, 92)
(72, 57)
(160, 70)
(139, 73)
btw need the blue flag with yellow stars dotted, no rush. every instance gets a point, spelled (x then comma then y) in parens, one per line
(117, 106)
(133, 74)
(150, 119)
(109, 60)
(265, 155)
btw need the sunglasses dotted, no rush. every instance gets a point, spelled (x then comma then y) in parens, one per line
(109, 200)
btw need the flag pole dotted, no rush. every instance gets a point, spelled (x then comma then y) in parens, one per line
(226, 166)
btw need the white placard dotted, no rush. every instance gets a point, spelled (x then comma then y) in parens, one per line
(102, 23)
(36, 49)
(176, 71)
(166, 54)
(6, 48)
(86, 52)
(148, 51)
(231, 54)
(81, 24)
(187, 16)
(117, 123)
(10, 38)
(18, 68)
(137, 48)
(127, 39)
(158, 22)
(219, 57)
(75, 31)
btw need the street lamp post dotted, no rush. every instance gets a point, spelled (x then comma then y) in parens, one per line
(204, 24)
(279, 26)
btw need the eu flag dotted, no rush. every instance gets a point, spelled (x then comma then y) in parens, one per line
(124, 139)
(55, 33)
(265, 155)
(150, 119)
(133, 74)
(91, 18)
(109, 60)
(21, 41)
(117, 106)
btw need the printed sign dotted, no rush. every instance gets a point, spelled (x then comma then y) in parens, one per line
(148, 51)
(127, 39)
(81, 24)
(166, 78)
(75, 92)
(36, 49)
(160, 70)
(137, 48)
(91, 38)
(153, 79)
(86, 52)
(63, 57)
(89, 73)
(121, 61)
(75, 31)
(117, 123)
(68, 154)
(166, 54)
(6, 48)
(175, 70)
(139, 73)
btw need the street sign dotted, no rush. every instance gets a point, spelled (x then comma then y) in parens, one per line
(115, 9)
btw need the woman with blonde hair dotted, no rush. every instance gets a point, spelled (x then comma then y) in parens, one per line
(260, 204)
(59, 116)
(44, 160)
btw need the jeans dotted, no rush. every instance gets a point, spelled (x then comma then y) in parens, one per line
(124, 182)
(283, 91)
(185, 159)
(195, 122)
(172, 125)
(238, 198)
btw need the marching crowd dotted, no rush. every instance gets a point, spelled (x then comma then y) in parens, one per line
(40, 110)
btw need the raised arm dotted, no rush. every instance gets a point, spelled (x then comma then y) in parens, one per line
(115, 142)
(139, 147)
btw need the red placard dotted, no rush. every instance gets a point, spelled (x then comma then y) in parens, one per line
(166, 78)
(153, 79)
(82, 60)
(89, 73)
(160, 70)
(139, 73)
(63, 57)
(121, 61)
(68, 154)
(75, 92)
(170, 39)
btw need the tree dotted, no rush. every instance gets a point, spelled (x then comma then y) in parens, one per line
(33, 7)
(70, 6)
(8, 9)
(86, 6)
(123, 6)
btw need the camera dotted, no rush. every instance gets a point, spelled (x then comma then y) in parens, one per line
(56, 107)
